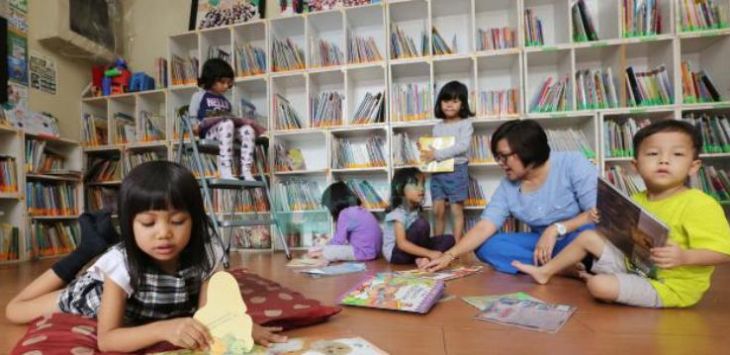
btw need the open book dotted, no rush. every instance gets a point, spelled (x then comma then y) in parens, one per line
(629, 227)
(436, 143)
(395, 292)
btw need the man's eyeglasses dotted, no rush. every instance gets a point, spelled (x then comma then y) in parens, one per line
(502, 158)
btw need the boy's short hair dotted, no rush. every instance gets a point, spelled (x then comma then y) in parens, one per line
(526, 138)
(669, 126)
(214, 70)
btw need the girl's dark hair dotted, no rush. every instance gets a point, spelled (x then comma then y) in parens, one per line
(453, 90)
(669, 126)
(526, 138)
(163, 185)
(337, 197)
(401, 178)
(214, 70)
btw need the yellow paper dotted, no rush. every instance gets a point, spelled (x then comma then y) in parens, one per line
(225, 316)
(436, 143)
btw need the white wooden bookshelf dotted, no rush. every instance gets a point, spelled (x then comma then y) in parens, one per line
(523, 68)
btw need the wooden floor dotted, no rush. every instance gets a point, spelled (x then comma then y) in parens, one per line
(595, 328)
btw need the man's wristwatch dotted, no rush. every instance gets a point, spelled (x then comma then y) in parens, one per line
(562, 231)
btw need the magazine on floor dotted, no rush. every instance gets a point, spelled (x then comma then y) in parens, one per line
(395, 292)
(629, 227)
(444, 275)
(333, 270)
(305, 346)
(527, 314)
(483, 302)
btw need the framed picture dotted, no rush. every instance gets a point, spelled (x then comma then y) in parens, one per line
(215, 13)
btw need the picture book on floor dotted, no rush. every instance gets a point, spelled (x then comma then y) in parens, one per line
(304, 346)
(436, 143)
(527, 314)
(307, 262)
(483, 302)
(444, 275)
(395, 292)
(333, 270)
(630, 228)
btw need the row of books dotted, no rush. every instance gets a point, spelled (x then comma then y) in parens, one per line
(480, 149)
(286, 55)
(184, 70)
(152, 126)
(618, 139)
(53, 238)
(297, 195)
(370, 197)
(126, 130)
(499, 102)
(131, 160)
(288, 159)
(251, 60)
(714, 182)
(552, 96)
(249, 200)
(403, 46)
(439, 45)
(583, 28)
(362, 50)
(94, 130)
(40, 158)
(326, 54)
(641, 17)
(475, 197)
(715, 132)
(649, 88)
(209, 162)
(326, 109)
(8, 174)
(702, 15)
(253, 237)
(57, 199)
(285, 115)
(569, 140)
(371, 109)
(405, 150)
(100, 169)
(102, 198)
(161, 72)
(9, 242)
(533, 29)
(697, 86)
(218, 52)
(357, 155)
(496, 38)
(410, 102)
(627, 182)
(596, 89)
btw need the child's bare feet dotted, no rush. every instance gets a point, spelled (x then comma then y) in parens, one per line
(422, 262)
(534, 271)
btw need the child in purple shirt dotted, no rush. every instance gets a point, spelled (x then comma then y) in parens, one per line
(357, 233)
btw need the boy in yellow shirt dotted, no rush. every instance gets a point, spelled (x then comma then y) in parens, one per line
(666, 153)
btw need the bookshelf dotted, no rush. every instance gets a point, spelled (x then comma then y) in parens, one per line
(409, 84)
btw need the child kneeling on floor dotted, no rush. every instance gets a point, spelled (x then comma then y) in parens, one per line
(666, 153)
(357, 233)
(407, 235)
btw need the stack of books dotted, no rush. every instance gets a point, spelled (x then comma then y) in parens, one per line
(326, 109)
(569, 140)
(8, 174)
(53, 238)
(583, 29)
(439, 46)
(476, 196)
(496, 38)
(9, 242)
(618, 138)
(626, 182)
(405, 150)
(131, 160)
(649, 88)
(596, 89)
(480, 149)
(298, 195)
(411, 102)
(715, 132)
(184, 71)
(285, 115)
(326, 54)
(40, 159)
(251, 60)
(702, 15)
(552, 97)
(152, 126)
(359, 155)
(51, 199)
(370, 197)
(714, 182)
(697, 86)
(95, 131)
(498, 102)
(371, 109)
(641, 18)
(125, 128)
(533, 30)
(286, 55)
(362, 50)
(403, 45)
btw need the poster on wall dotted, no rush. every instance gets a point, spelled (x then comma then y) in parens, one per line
(215, 13)
(293, 7)
(17, 20)
(42, 73)
(20, 5)
(322, 5)
(17, 58)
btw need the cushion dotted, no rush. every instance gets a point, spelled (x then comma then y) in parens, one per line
(269, 304)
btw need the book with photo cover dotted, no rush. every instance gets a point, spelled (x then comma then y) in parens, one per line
(436, 143)
(527, 314)
(395, 292)
(629, 227)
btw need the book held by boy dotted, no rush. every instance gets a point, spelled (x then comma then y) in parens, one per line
(395, 292)
(629, 227)
(436, 143)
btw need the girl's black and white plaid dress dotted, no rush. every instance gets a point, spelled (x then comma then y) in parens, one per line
(160, 296)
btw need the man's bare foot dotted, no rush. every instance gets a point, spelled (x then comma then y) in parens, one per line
(422, 262)
(534, 271)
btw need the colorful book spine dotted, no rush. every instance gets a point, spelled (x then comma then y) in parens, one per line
(371, 109)
(102, 198)
(641, 17)
(251, 60)
(626, 182)
(583, 28)
(403, 46)
(287, 55)
(498, 102)
(715, 131)
(496, 38)
(53, 238)
(94, 130)
(125, 129)
(649, 88)
(475, 195)
(326, 54)
(40, 158)
(253, 237)
(533, 30)
(698, 87)
(700, 15)
(552, 97)
(713, 181)
(102, 169)
(370, 197)
(618, 137)
(51, 199)
(596, 89)
(405, 150)
(362, 50)
(161, 73)
(359, 155)
(285, 115)
(131, 160)
(249, 201)
(326, 109)
(184, 70)
(439, 45)
(152, 126)
(8, 174)
(9, 242)
(480, 150)
(297, 195)
(570, 140)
